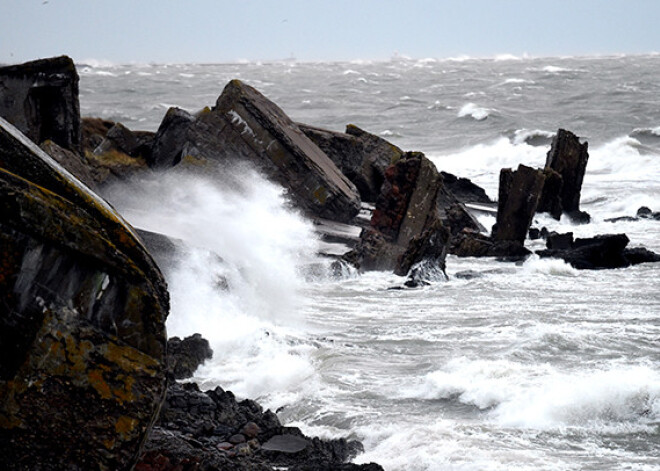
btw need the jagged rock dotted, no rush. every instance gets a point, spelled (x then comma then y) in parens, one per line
(534, 233)
(185, 356)
(245, 125)
(361, 156)
(40, 98)
(464, 190)
(82, 330)
(602, 251)
(170, 138)
(568, 157)
(406, 225)
(550, 200)
(519, 194)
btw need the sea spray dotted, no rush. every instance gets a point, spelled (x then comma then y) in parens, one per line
(237, 278)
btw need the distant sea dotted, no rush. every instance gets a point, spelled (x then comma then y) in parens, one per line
(530, 366)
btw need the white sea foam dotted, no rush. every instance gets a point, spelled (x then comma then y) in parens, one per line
(474, 111)
(553, 69)
(540, 397)
(624, 398)
(549, 266)
(239, 230)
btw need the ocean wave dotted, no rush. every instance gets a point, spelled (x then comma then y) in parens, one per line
(474, 111)
(620, 397)
(540, 397)
(235, 285)
(646, 132)
(533, 137)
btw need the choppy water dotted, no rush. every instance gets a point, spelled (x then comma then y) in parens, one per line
(532, 366)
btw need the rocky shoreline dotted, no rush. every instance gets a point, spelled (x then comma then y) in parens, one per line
(88, 379)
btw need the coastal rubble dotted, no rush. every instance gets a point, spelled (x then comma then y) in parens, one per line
(83, 364)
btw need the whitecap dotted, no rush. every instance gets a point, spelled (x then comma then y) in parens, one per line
(548, 266)
(552, 69)
(532, 136)
(476, 112)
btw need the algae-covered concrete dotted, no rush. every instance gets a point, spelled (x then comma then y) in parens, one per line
(82, 321)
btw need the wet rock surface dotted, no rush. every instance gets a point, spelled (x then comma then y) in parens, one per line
(82, 330)
(519, 193)
(213, 431)
(602, 251)
(405, 227)
(568, 157)
(185, 356)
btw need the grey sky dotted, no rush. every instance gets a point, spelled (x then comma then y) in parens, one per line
(222, 31)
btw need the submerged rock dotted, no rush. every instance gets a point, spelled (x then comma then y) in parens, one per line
(40, 98)
(82, 330)
(245, 125)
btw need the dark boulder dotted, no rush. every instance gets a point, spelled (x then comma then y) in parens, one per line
(457, 218)
(645, 212)
(556, 241)
(465, 190)
(405, 225)
(82, 323)
(40, 98)
(361, 156)
(185, 356)
(519, 193)
(568, 157)
(170, 138)
(602, 251)
(245, 125)
(637, 255)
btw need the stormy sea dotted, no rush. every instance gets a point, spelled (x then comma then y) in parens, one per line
(526, 366)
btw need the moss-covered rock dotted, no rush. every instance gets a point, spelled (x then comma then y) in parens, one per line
(82, 321)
